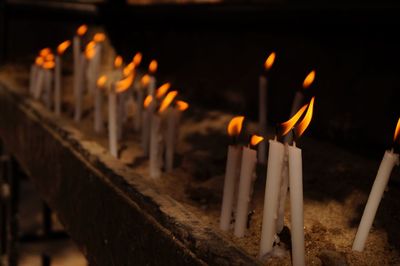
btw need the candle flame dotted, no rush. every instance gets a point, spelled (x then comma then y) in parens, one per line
(137, 59)
(49, 57)
(128, 69)
(306, 120)
(397, 132)
(167, 101)
(44, 52)
(118, 61)
(181, 105)
(99, 37)
(153, 66)
(124, 84)
(235, 126)
(49, 65)
(309, 79)
(39, 61)
(145, 80)
(63, 46)
(162, 90)
(101, 81)
(270, 61)
(147, 101)
(90, 50)
(288, 125)
(82, 30)
(255, 139)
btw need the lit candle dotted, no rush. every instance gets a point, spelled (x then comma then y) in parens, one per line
(77, 57)
(156, 137)
(144, 83)
(232, 172)
(35, 72)
(80, 87)
(98, 39)
(147, 105)
(48, 78)
(153, 83)
(40, 79)
(390, 159)
(57, 76)
(246, 181)
(173, 118)
(262, 108)
(98, 115)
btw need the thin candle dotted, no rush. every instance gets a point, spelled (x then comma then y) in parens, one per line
(153, 66)
(144, 82)
(146, 123)
(77, 49)
(35, 70)
(48, 67)
(61, 48)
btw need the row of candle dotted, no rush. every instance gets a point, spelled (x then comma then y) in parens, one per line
(157, 111)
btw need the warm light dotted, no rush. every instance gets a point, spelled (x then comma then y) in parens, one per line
(309, 79)
(128, 69)
(118, 61)
(99, 37)
(255, 139)
(270, 61)
(82, 30)
(137, 59)
(235, 126)
(44, 52)
(63, 46)
(101, 81)
(90, 50)
(306, 120)
(49, 57)
(162, 90)
(39, 61)
(147, 101)
(181, 105)
(397, 132)
(288, 125)
(124, 84)
(167, 101)
(145, 81)
(49, 65)
(153, 66)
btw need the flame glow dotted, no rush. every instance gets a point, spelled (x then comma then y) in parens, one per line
(309, 79)
(181, 105)
(49, 57)
(167, 101)
(99, 37)
(118, 61)
(270, 61)
(82, 30)
(101, 81)
(153, 66)
(235, 126)
(63, 46)
(49, 65)
(90, 50)
(128, 69)
(255, 139)
(145, 80)
(306, 120)
(137, 59)
(124, 84)
(39, 61)
(397, 132)
(147, 101)
(288, 125)
(162, 90)
(44, 52)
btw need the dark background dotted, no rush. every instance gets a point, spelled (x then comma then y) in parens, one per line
(213, 53)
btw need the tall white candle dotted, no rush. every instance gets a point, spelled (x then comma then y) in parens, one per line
(390, 159)
(275, 163)
(246, 179)
(146, 123)
(153, 83)
(81, 85)
(57, 86)
(39, 83)
(98, 115)
(139, 106)
(77, 56)
(112, 122)
(156, 139)
(48, 79)
(32, 78)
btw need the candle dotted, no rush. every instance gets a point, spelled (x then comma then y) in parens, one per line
(79, 92)
(98, 116)
(246, 180)
(390, 159)
(98, 38)
(232, 172)
(144, 82)
(40, 79)
(173, 119)
(153, 83)
(147, 105)
(48, 67)
(262, 108)
(35, 70)
(57, 76)
(77, 57)
(156, 137)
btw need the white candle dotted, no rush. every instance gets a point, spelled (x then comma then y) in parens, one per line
(80, 88)
(32, 78)
(139, 108)
(77, 56)
(121, 114)
(262, 117)
(153, 83)
(390, 159)
(112, 122)
(39, 83)
(246, 179)
(98, 115)
(232, 172)
(57, 86)
(48, 78)
(275, 163)
(155, 147)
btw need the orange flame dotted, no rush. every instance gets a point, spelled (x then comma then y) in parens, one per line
(118, 61)
(101, 81)
(44, 52)
(162, 90)
(124, 84)
(270, 61)
(167, 101)
(147, 101)
(49, 57)
(49, 65)
(63, 46)
(309, 79)
(182, 106)
(288, 125)
(39, 61)
(397, 131)
(235, 126)
(99, 37)
(255, 139)
(137, 59)
(90, 50)
(82, 30)
(145, 80)
(128, 69)
(306, 120)
(153, 66)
